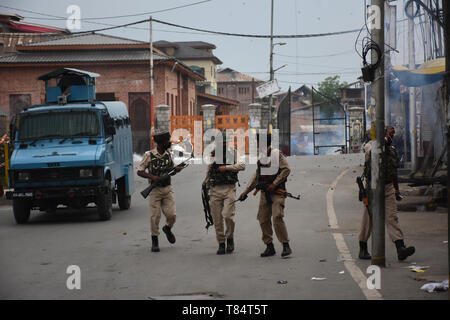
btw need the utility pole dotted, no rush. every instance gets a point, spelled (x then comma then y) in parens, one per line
(152, 111)
(271, 65)
(387, 65)
(377, 151)
(412, 92)
(428, 36)
(446, 10)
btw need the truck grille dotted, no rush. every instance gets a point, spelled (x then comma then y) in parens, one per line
(55, 174)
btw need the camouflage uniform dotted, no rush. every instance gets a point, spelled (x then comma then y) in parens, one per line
(393, 228)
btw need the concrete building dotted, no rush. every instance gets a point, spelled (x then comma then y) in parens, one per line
(234, 85)
(124, 66)
(198, 55)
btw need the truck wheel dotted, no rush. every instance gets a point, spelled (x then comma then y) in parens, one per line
(104, 202)
(124, 199)
(21, 211)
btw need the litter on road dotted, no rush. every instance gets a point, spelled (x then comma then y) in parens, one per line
(435, 286)
(318, 279)
(418, 269)
(342, 272)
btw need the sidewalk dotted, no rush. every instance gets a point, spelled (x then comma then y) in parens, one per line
(424, 226)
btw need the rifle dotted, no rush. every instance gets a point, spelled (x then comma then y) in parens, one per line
(164, 177)
(206, 207)
(239, 199)
(280, 192)
(363, 194)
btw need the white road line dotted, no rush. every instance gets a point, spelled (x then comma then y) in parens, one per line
(355, 272)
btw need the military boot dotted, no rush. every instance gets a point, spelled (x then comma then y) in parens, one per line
(230, 245)
(403, 252)
(286, 249)
(363, 253)
(270, 250)
(169, 234)
(221, 248)
(155, 247)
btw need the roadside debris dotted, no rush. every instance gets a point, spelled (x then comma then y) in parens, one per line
(341, 272)
(318, 279)
(435, 286)
(418, 269)
(341, 258)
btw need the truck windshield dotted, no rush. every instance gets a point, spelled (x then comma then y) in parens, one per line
(59, 124)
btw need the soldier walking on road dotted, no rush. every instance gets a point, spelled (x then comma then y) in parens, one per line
(220, 181)
(392, 193)
(271, 205)
(158, 162)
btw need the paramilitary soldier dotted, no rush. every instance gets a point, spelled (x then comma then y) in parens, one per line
(221, 178)
(392, 193)
(271, 205)
(158, 162)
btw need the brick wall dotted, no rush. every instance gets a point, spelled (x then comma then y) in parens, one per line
(119, 79)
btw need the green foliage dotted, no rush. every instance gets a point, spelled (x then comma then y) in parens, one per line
(329, 87)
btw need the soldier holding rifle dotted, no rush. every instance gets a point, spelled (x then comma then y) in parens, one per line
(220, 181)
(271, 204)
(155, 166)
(392, 194)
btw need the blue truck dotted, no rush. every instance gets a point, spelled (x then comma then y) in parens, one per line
(72, 150)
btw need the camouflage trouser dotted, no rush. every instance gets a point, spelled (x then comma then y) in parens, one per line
(392, 225)
(161, 199)
(222, 208)
(275, 212)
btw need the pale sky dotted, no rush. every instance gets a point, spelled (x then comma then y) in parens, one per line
(308, 61)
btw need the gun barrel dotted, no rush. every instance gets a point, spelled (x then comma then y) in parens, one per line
(147, 190)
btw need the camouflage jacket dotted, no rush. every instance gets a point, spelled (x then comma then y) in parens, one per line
(391, 161)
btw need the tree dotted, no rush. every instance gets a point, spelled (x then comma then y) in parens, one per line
(329, 88)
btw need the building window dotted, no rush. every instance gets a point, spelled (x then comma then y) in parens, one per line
(167, 99)
(105, 96)
(244, 90)
(220, 90)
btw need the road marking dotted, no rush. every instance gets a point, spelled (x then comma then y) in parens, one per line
(356, 273)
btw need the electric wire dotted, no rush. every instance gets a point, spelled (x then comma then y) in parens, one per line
(110, 17)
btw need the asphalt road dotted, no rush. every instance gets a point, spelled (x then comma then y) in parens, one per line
(116, 262)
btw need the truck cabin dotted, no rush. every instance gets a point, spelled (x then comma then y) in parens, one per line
(74, 90)
(69, 85)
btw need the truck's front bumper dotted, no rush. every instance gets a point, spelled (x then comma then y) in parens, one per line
(55, 193)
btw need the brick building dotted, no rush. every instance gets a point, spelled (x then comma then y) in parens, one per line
(14, 31)
(124, 68)
(234, 85)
